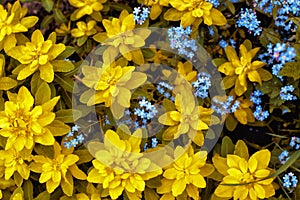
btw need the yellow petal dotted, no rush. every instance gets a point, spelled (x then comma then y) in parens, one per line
(46, 72)
(178, 187)
(254, 77)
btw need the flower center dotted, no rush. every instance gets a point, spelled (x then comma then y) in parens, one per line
(247, 178)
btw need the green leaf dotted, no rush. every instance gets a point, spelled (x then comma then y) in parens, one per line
(28, 190)
(48, 5)
(241, 149)
(43, 196)
(291, 69)
(219, 61)
(35, 82)
(46, 21)
(66, 82)
(58, 128)
(150, 194)
(84, 156)
(231, 123)
(68, 115)
(154, 182)
(168, 105)
(62, 65)
(59, 16)
(43, 94)
(7, 83)
(66, 53)
(148, 53)
(227, 146)
(230, 7)
(44, 150)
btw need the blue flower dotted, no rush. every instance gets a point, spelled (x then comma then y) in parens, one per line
(180, 39)
(223, 108)
(295, 143)
(290, 181)
(154, 142)
(248, 19)
(223, 44)
(139, 15)
(75, 128)
(285, 93)
(80, 138)
(215, 3)
(284, 156)
(201, 85)
(68, 145)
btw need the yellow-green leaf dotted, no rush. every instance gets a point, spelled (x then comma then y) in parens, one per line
(43, 94)
(7, 83)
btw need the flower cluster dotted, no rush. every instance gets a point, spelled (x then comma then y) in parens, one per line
(154, 143)
(145, 112)
(225, 107)
(140, 16)
(290, 181)
(259, 114)
(180, 40)
(295, 143)
(165, 89)
(283, 156)
(277, 55)
(285, 93)
(224, 44)
(215, 3)
(201, 85)
(248, 19)
(73, 139)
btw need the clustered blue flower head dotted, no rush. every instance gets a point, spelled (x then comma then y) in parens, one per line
(295, 143)
(145, 112)
(202, 85)
(154, 143)
(223, 108)
(290, 181)
(180, 40)
(141, 14)
(215, 3)
(285, 93)
(71, 139)
(248, 19)
(277, 56)
(166, 90)
(284, 156)
(259, 114)
(223, 44)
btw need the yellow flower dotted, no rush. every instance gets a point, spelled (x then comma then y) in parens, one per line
(12, 22)
(58, 171)
(87, 7)
(159, 57)
(14, 163)
(123, 37)
(243, 113)
(63, 29)
(186, 70)
(23, 124)
(194, 12)
(156, 7)
(120, 166)
(238, 69)
(111, 85)
(186, 173)
(5, 184)
(40, 55)
(237, 169)
(83, 31)
(188, 118)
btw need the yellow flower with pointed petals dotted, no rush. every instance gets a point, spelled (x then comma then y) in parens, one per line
(23, 124)
(121, 36)
(186, 173)
(156, 7)
(111, 85)
(87, 7)
(193, 12)
(58, 171)
(120, 166)
(83, 31)
(39, 55)
(238, 69)
(244, 113)
(12, 22)
(237, 169)
(186, 70)
(187, 119)
(15, 164)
